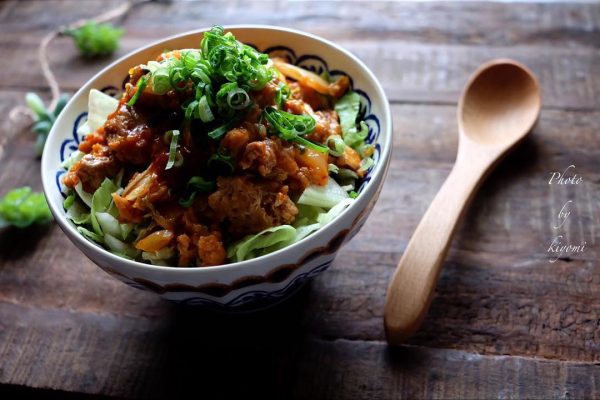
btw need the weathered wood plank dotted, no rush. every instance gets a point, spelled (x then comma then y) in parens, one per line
(369, 370)
(554, 24)
(66, 325)
(187, 351)
(411, 69)
(498, 294)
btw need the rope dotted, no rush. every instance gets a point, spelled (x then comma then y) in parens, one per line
(43, 50)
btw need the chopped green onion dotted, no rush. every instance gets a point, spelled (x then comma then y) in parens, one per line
(238, 99)
(204, 112)
(198, 184)
(311, 145)
(178, 160)
(218, 132)
(140, 86)
(224, 159)
(336, 145)
(220, 76)
(353, 194)
(282, 93)
(160, 81)
(289, 125)
(172, 148)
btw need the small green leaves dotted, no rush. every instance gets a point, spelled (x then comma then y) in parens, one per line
(22, 207)
(44, 118)
(94, 40)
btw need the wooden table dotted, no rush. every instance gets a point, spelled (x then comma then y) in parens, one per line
(505, 321)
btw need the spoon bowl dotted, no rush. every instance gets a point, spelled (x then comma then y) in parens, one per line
(500, 104)
(497, 109)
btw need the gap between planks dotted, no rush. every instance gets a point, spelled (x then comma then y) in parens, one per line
(45, 91)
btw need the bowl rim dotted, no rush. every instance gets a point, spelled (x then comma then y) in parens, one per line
(369, 192)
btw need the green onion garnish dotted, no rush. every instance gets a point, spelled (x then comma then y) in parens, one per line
(160, 81)
(292, 127)
(311, 145)
(287, 125)
(140, 86)
(224, 159)
(336, 145)
(238, 99)
(353, 194)
(220, 77)
(218, 132)
(172, 148)
(282, 93)
(197, 184)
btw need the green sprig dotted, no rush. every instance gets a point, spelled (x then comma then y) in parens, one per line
(44, 118)
(94, 40)
(22, 207)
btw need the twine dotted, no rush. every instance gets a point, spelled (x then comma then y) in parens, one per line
(120, 11)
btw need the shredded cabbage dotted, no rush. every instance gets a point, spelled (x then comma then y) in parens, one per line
(263, 242)
(101, 202)
(78, 214)
(100, 106)
(72, 159)
(347, 108)
(83, 195)
(310, 219)
(159, 257)
(323, 196)
(119, 247)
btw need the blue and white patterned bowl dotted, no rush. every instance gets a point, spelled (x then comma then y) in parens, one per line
(262, 281)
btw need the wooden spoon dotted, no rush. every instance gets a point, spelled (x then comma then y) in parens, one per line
(497, 109)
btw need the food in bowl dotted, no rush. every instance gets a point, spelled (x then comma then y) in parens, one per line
(215, 155)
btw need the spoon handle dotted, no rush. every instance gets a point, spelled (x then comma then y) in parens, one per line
(411, 288)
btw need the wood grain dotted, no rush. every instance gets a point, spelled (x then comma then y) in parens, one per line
(171, 356)
(498, 294)
(411, 70)
(504, 322)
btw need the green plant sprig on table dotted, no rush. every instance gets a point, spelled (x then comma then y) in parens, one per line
(44, 118)
(96, 40)
(23, 207)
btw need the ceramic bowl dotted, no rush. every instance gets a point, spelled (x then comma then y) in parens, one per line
(261, 281)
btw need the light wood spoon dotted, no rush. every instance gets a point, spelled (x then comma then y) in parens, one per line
(497, 108)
